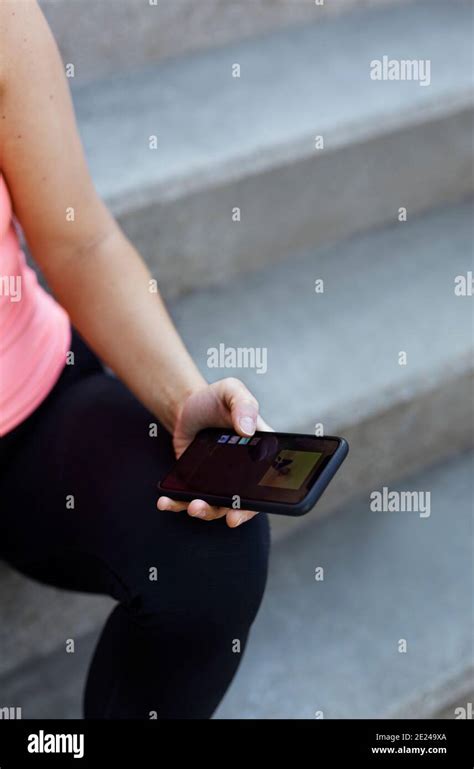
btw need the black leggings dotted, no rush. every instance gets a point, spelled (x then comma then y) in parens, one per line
(78, 511)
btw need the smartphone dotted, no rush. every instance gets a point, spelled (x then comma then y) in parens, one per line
(283, 473)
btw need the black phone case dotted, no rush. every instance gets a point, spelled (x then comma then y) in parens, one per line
(279, 508)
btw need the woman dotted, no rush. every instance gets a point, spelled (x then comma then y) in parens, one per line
(80, 461)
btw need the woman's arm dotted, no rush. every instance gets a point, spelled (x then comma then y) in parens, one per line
(91, 267)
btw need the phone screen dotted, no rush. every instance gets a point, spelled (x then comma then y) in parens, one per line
(273, 467)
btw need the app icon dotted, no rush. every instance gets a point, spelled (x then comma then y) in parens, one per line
(234, 439)
(223, 439)
(244, 440)
(254, 441)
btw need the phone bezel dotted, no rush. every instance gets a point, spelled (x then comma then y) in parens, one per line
(283, 508)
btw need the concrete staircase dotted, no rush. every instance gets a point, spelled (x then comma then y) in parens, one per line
(249, 143)
(333, 357)
(330, 648)
(125, 35)
(306, 214)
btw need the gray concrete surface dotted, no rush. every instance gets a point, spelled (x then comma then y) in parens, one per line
(225, 142)
(105, 36)
(333, 357)
(453, 709)
(249, 142)
(333, 645)
(36, 619)
(50, 686)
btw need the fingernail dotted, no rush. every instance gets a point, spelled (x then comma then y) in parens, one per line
(247, 425)
(198, 514)
(240, 520)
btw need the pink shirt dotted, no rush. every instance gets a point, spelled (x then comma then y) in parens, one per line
(35, 332)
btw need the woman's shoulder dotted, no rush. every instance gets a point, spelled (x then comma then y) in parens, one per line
(22, 28)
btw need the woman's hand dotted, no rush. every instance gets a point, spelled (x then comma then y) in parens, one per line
(226, 403)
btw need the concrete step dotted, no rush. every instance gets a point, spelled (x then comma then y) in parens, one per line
(332, 358)
(36, 619)
(332, 645)
(122, 35)
(249, 143)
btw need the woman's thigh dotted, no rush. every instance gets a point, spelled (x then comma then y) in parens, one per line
(79, 511)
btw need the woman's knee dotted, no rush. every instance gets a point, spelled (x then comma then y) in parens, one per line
(208, 576)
